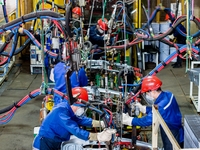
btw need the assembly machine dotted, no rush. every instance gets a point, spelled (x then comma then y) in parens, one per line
(49, 32)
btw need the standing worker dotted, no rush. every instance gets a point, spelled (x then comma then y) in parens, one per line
(98, 33)
(177, 37)
(98, 37)
(76, 12)
(64, 121)
(167, 107)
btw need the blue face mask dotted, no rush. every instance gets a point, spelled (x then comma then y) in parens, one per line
(149, 99)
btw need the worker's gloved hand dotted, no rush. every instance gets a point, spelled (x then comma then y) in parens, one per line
(92, 136)
(126, 119)
(141, 107)
(105, 135)
(105, 37)
(171, 37)
(96, 123)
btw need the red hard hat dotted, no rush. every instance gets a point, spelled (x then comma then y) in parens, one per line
(103, 24)
(150, 83)
(77, 11)
(83, 93)
(167, 16)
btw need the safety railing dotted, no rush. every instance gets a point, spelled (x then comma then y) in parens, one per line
(157, 121)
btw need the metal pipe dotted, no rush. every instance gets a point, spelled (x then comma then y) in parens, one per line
(188, 31)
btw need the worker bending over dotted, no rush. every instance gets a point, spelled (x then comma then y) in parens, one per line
(64, 121)
(167, 107)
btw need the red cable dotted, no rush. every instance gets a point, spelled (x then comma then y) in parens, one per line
(111, 116)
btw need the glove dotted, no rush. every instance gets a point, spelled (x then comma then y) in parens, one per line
(105, 135)
(105, 37)
(171, 37)
(93, 136)
(141, 107)
(126, 119)
(96, 123)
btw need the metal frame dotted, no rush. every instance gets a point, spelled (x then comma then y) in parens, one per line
(157, 121)
(195, 99)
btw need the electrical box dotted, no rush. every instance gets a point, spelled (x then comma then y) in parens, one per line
(36, 61)
(35, 55)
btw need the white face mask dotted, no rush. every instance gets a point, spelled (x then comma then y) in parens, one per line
(149, 99)
(79, 112)
(100, 31)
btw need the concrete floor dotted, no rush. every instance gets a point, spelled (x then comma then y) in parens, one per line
(18, 133)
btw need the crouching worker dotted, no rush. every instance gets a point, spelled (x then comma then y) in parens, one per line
(64, 120)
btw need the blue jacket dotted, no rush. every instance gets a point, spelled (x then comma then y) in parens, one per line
(169, 110)
(60, 70)
(60, 123)
(96, 38)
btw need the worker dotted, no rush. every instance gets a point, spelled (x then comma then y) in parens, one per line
(76, 24)
(76, 12)
(99, 38)
(177, 37)
(64, 121)
(167, 107)
(98, 33)
(77, 78)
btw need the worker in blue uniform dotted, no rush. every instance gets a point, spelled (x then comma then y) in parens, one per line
(78, 79)
(167, 107)
(176, 37)
(98, 33)
(64, 121)
(99, 37)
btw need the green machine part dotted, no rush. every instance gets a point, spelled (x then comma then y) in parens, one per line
(98, 79)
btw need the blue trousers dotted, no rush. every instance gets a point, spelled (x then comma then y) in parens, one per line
(49, 144)
(166, 142)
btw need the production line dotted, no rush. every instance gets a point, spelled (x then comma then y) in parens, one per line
(61, 45)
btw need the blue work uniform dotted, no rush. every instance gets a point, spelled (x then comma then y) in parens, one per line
(57, 127)
(79, 80)
(170, 112)
(95, 37)
(98, 39)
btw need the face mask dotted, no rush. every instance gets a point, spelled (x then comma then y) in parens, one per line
(79, 112)
(100, 31)
(149, 99)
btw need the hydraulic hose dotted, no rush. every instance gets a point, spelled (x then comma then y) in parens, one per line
(49, 53)
(29, 17)
(12, 50)
(26, 43)
(8, 39)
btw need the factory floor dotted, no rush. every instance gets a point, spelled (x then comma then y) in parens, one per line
(18, 133)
